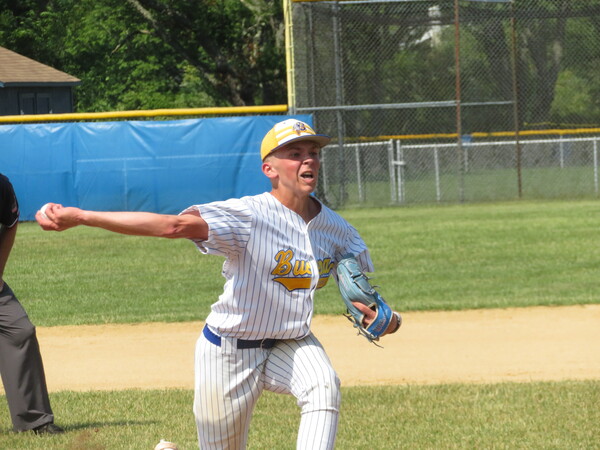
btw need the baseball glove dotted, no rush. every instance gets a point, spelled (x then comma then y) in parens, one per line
(355, 287)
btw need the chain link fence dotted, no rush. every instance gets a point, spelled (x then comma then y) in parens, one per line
(450, 101)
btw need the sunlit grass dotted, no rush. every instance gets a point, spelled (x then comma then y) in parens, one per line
(442, 257)
(508, 415)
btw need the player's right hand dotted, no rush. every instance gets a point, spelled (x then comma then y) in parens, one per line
(53, 218)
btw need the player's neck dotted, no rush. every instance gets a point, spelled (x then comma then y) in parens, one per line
(305, 206)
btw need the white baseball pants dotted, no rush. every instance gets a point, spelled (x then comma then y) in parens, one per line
(228, 383)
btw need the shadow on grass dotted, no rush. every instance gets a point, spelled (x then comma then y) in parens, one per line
(98, 425)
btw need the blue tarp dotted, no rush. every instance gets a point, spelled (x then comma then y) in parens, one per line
(135, 166)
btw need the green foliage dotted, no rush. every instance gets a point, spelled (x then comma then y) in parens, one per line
(145, 54)
(528, 415)
(572, 101)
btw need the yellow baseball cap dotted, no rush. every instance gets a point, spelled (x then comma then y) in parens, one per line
(290, 130)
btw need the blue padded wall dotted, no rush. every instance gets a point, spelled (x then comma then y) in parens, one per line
(156, 166)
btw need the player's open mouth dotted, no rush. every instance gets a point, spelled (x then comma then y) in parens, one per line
(307, 175)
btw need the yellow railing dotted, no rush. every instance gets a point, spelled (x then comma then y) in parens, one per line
(232, 110)
(478, 134)
(226, 110)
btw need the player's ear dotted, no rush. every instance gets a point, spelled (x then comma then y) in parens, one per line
(269, 169)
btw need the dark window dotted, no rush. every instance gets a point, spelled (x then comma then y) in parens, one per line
(43, 104)
(33, 103)
(27, 103)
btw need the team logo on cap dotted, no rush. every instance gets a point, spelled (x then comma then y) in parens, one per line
(299, 127)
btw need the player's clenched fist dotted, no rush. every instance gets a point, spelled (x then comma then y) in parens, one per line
(55, 217)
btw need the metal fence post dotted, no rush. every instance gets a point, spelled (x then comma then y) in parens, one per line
(561, 149)
(339, 97)
(515, 92)
(361, 193)
(399, 165)
(595, 165)
(391, 159)
(436, 163)
(325, 173)
(459, 147)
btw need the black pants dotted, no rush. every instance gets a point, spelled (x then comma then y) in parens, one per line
(21, 366)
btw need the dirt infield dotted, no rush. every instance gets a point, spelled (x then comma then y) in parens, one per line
(477, 346)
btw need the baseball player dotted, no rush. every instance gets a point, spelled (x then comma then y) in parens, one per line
(279, 248)
(20, 359)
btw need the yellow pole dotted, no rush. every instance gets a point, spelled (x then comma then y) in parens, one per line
(289, 55)
(145, 113)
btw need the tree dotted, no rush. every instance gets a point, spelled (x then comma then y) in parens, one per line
(235, 46)
(146, 54)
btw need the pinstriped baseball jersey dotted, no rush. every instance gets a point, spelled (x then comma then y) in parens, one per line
(274, 263)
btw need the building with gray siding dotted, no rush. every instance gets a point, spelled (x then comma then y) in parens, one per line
(30, 87)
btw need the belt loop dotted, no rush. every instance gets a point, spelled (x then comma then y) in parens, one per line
(228, 345)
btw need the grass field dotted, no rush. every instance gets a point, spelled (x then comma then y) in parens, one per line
(421, 185)
(512, 254)
(509, 416)
(426, 258)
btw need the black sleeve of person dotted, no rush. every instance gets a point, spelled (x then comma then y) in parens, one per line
(9, 206)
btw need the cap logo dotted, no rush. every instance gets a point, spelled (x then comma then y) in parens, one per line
(298, 128)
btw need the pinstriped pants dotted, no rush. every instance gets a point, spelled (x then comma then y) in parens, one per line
(228, 383)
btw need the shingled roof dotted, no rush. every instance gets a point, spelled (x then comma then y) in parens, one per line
(18, 70)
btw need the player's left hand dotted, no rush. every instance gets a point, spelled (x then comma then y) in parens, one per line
(370, 315)
(367, 310)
